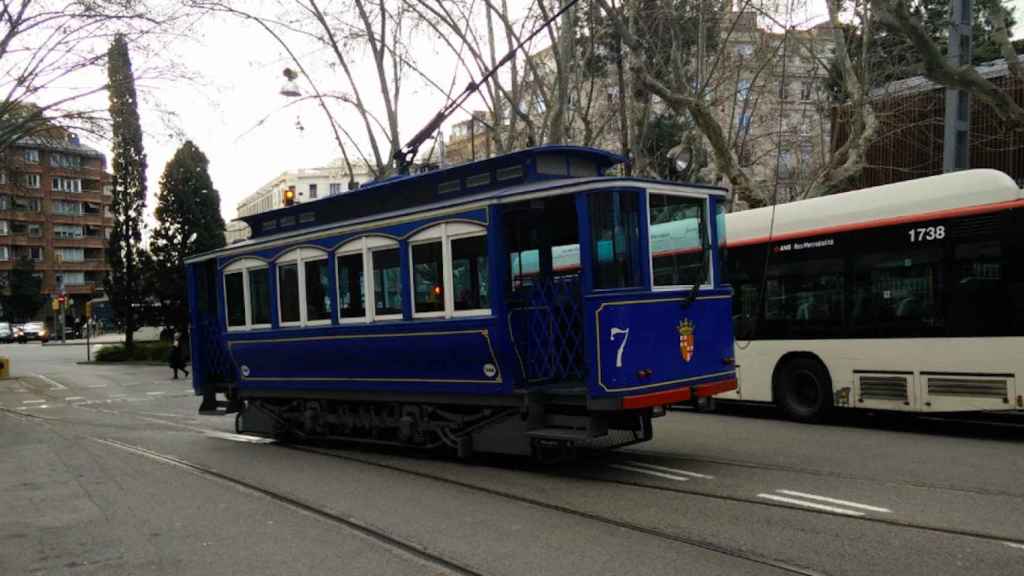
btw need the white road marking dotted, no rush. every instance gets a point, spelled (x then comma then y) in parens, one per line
(670, 470)
(35, 406)
(53, 383)
(96, 386)
(155, 393)
(73, 398)
(846, 503)
(118, 395)
(650, 472)
(33, 401)
(810, 504)
(1014, 545)
(240, 437)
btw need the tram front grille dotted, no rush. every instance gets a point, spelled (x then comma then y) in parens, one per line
(888, 387)
(967, 386)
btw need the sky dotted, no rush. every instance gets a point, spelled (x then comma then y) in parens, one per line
(250, 132)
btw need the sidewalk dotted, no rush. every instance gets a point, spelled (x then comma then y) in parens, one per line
(146, 333)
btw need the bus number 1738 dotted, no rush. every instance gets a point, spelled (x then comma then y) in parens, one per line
(928, 233)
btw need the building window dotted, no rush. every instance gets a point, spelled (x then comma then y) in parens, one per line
(71, 279)
(67, 231)
(31, 180)
(30, 155)
(615, 232)
(58, 160)
(806, 90)
(35, 230)
(449, 271)
(5, 202)
(335, 188)
(71, 254)
(247, 294)
(5, 253)
(743, 89)
(312, 191)
(36, 253)
(3, 177)
(369, 280)
(4, 228)
(677, 240)
(65, 207)
(21, 204)
(303, 287)
(73, 185)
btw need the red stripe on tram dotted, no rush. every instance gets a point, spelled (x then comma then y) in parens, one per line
(677, 395)
(951, 213)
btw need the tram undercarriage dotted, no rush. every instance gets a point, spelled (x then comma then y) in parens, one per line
(543, 430)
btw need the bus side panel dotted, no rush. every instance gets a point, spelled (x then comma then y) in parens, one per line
(639, 343)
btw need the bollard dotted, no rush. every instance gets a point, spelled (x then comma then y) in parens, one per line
(5, 367)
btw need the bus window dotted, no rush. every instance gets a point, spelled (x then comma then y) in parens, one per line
(979, 303)
(615, 230)
(804, 298)
(897, 294)
(677, 240)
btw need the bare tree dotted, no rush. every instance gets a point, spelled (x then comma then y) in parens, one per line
(51, 57)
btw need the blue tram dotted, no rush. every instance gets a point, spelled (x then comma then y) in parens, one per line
(523, 301)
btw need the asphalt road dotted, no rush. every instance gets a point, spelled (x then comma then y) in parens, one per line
(108, 470)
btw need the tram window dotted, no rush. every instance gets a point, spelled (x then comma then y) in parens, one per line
(469, 273)
(552, 164)
(676, 240)
(615, 229)
(525, 265)
(318, 306)
(259, 296)
(351, 286)
(387, 283)
(428, 277)
(723, 251)
(288, 292)
(234, 291)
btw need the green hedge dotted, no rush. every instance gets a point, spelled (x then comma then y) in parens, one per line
(144, 351)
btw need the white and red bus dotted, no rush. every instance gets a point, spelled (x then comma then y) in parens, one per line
(907, 297)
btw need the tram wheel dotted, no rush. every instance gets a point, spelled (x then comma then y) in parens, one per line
(704, 404)
(803, 389)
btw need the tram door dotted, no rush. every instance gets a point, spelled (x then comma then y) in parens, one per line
(545, 288)
(211, 365)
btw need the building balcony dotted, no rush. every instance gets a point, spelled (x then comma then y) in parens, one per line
(22, 216)
(83, 242)
(89, 265)
(96, 219)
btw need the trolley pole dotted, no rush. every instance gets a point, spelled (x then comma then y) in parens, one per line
(956, 131)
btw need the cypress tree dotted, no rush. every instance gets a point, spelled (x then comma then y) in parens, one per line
(124, 283)
(188, 213)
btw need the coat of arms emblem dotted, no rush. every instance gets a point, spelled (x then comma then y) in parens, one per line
(685, 329)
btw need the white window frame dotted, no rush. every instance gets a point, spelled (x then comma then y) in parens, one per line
(444, 232)
(5, 253)
(244, 266)
(300, 256)
(365, 246)
(32, 181)
(5, 228)
(709, 278)
(30, 155)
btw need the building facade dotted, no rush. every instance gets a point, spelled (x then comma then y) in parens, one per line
(55, 201)
(309, 184)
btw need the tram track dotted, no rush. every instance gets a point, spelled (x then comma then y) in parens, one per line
(600, 518)
(989, 537)
(381, 537)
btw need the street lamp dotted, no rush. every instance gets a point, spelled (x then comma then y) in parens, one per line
(290, 88)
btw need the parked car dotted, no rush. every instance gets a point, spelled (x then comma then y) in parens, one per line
(6, 332)
(32, 331)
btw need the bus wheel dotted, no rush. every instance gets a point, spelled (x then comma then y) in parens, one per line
(803, 390)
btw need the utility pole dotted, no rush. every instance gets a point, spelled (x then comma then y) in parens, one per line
(955, 138)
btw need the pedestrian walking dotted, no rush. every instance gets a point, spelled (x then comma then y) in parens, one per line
(177, 357)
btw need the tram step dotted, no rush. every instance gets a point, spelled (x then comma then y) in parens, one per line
(564, 434)
(219, 407)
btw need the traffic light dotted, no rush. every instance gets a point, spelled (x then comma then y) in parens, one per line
(289, 196)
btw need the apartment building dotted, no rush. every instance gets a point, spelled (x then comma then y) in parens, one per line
(55, 211)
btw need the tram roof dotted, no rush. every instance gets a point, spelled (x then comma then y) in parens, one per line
(868, 206)
(491, 175)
